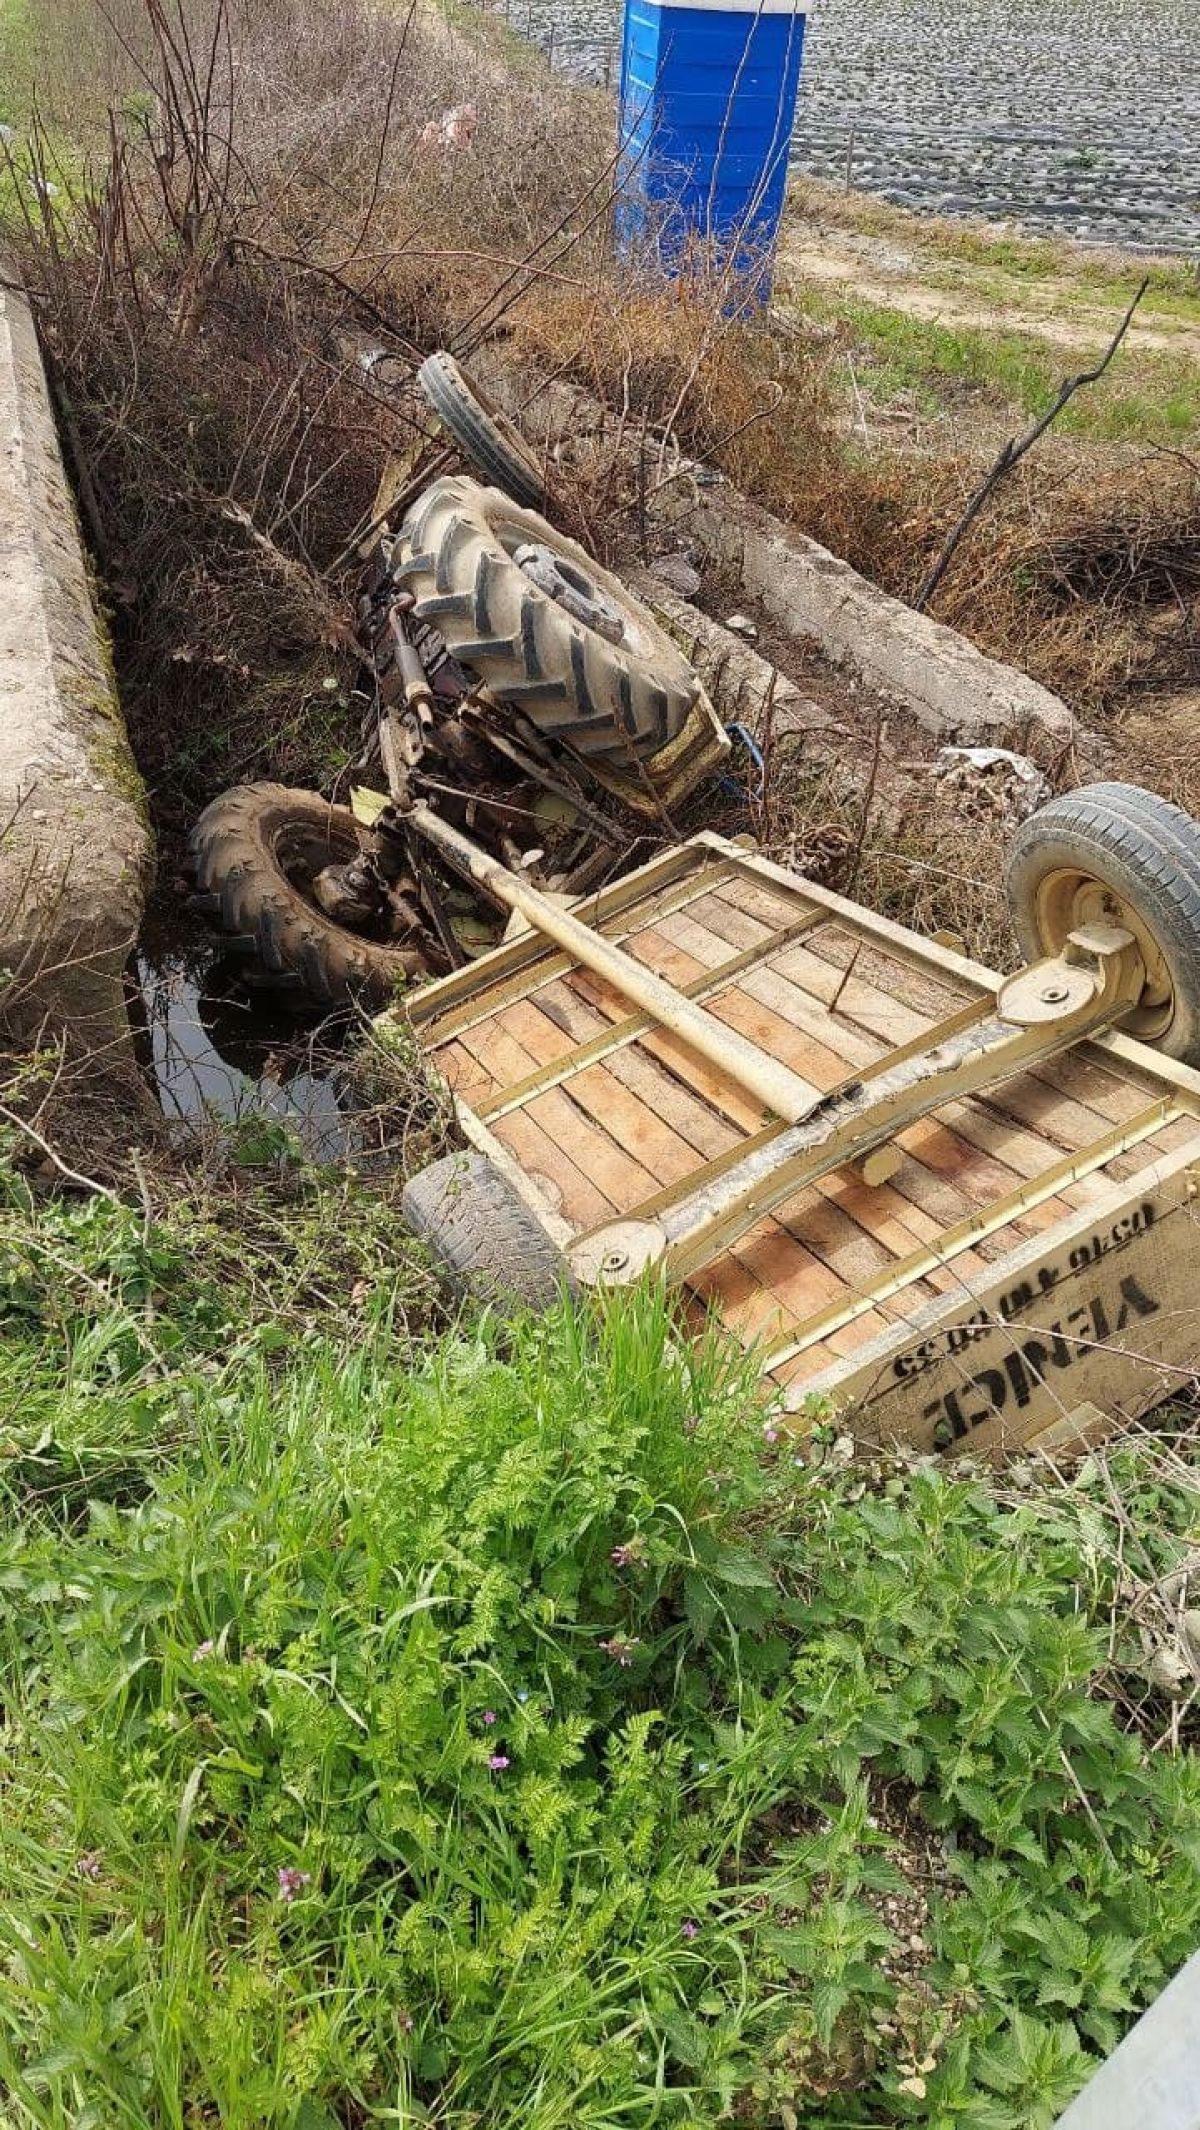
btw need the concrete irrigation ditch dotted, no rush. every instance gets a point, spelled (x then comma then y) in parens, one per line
(75, 847)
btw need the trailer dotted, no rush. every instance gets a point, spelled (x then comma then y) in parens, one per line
(957, 1207)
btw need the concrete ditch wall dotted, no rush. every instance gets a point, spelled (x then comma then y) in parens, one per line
(75, 845)
(954, 690)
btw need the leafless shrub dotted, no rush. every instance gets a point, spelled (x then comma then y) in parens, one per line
(263, 205)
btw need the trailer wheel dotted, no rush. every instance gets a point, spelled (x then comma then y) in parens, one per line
(1115, 854)
(255, 852)
(484, 435)
(544, 627)
(488, 1241)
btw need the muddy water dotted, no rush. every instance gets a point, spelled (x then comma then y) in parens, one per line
(1080, 118)
(226, 1065)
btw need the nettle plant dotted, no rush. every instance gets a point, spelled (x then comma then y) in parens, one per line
(534, 1737)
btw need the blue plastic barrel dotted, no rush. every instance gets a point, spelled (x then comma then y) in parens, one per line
(708, 100)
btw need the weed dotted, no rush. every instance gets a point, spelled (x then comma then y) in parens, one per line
(522, 1734)
(1160, 400)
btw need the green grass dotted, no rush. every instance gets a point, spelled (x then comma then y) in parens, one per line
(524, 1734)
(1143, 398)
(16, 62)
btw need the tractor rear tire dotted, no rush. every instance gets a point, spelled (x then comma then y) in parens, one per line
(615, 688)
(252, 851)
(1117, 854)
(490, 1245)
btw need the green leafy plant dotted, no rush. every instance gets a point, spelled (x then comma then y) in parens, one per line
(521, 1732)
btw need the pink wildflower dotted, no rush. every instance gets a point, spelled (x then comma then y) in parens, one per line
(292, 1881)
(498, 1762)
(89, 1865)
(689, 1929)
(620, 1647)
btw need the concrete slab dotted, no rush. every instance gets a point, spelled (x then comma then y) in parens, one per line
(75, 844)
(954, 690)
(1152, 2082)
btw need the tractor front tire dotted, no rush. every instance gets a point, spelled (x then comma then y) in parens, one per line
(255, 851)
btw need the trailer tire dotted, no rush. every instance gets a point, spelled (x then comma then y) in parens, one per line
(489, 1243)
(483, 434)
(554, 656)
(1117, 854)
(249, 851)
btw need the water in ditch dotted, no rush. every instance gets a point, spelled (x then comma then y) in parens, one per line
(229, 1066)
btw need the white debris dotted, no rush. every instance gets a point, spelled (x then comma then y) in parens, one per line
(742, 625)
(993, 780)
(453, 129)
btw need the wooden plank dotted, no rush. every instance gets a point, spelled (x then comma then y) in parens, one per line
(614, 1107)
(901, 1225)
(759, 898)
(620, 1179)
(954, 1245)
(466, 1078)
(609, 1037)
(747, 1309)
(497, 1051)
(1114, 1094)
(1101, 1309)
(860, 1002)
(894, 938)
(925, 990)
(736, 928)
(524, 964)
(572, 1193)
(814, 1061)
(704, 1127)
(725, 1096)
(796, 1277)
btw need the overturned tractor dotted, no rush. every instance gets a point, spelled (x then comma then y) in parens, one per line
(509, 684)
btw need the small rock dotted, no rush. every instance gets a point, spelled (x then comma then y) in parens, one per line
(742, 625)
(678, 574)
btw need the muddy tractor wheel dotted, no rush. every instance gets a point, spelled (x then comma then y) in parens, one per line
(1115, 854)
(483, 434)
(487, 1241)
(256, 852)
(542, 625)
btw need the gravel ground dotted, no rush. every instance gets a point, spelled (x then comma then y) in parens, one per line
(1076, 118)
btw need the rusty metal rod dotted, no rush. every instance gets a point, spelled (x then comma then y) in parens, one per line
(774, 1084)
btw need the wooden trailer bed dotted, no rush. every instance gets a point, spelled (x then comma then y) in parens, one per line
(1030, 1262)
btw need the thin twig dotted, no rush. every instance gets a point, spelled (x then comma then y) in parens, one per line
(1015, 450)
(83, 1183)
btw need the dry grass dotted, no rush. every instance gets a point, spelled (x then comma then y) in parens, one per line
(264, 211)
